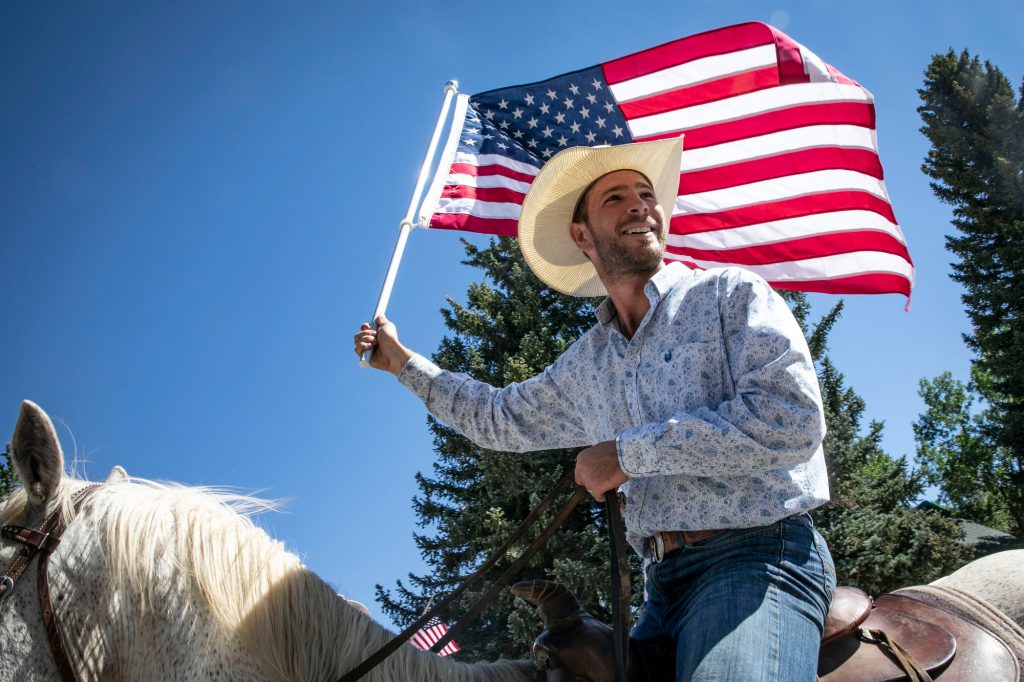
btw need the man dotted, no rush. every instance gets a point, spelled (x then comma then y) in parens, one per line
(696, 395)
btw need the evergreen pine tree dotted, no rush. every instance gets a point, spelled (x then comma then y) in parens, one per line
(7, 475)
(878, 539)
(976, 128)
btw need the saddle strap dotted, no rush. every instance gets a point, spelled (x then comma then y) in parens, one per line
(914, 670)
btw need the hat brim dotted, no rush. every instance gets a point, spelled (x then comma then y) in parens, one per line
(548, 208)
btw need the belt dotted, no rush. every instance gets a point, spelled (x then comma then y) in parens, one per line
(660, 545)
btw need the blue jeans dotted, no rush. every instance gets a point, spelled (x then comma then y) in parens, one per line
(746, 605)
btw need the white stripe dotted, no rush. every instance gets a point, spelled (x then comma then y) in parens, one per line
(429, 204)
(698, 71)
(823, 268)
(488, 181)
(787, 229)
(777, 189)
(480, 209)
(845, 136)
(741, 106)
(495, 159)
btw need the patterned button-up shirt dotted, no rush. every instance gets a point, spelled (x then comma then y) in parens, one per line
(713, 403)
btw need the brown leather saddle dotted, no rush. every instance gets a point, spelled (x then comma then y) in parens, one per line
(901, 636)
(917, 634)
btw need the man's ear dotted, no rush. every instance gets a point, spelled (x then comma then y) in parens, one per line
(580, 236)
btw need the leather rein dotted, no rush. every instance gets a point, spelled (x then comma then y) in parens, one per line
(619, 578)
(42, 543)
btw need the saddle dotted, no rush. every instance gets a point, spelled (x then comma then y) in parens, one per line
(910, 634)
(915, 634)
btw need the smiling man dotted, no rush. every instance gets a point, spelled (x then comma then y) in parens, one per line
(696, 399)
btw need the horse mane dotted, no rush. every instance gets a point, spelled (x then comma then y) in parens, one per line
(205, 539)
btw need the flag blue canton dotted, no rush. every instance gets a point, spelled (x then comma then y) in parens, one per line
(531, 123)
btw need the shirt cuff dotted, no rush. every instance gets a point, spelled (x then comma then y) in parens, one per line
(635, 454)
(417, 374)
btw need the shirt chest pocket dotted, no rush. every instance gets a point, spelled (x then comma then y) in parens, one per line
(681, 377)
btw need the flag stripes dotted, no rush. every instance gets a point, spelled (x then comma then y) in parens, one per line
(780, 170)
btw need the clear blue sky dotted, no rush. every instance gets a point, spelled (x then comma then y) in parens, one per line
(198, 201)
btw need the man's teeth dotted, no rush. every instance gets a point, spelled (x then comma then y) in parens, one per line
(638, 230)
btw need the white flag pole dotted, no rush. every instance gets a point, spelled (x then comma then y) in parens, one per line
(404, 227)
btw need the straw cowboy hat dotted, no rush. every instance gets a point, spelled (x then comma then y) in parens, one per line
(551, 201)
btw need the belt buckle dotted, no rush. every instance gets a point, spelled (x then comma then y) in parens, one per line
(658, 547)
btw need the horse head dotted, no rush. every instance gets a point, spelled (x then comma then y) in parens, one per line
(164, 581)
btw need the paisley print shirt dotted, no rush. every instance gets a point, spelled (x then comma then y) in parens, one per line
(713, 403)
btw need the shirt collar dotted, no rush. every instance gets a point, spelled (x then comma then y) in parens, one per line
(659, 285)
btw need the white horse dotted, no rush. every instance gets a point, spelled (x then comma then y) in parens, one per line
(997, 578)
(164, 582)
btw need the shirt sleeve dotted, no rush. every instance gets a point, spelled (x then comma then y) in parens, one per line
(774, 419)
(532, 415)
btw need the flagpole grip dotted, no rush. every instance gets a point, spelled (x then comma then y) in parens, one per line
(451, 88)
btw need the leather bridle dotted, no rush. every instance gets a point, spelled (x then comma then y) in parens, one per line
(42, 542)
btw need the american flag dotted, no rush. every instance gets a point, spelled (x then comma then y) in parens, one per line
(431, 634)
(780, 171)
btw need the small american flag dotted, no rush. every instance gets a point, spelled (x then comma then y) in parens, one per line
(780, 171)
(431, 634)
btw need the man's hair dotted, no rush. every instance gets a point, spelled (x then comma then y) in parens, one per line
(579, 214)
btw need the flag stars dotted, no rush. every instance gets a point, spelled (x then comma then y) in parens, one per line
(568, 103)
(546, 153)
(592, 98)
(585, 112)
(599, 121)
(562, 141)
(489, 115)
(518, 134)
(544, 108)
(503, 104)
(618, 131)
(560, 118)
(574, 89)
(552, 94)
(547, 132)
(596, 84)
(502, 145)
(575, 127)
(608, 106)
(591, 136)
(529, 100)
(532, 122)
(518, 113)
(532, 143)
(469, 142)
(503, 125)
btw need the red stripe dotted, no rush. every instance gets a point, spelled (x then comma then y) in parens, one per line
(874, 283)
(791, 62)
(816, 246)
(501, 195)
(811, 204)
(827, 113)
(503, 227)
(719, 41)
(702, 93)
(781, 165)
(490, 169)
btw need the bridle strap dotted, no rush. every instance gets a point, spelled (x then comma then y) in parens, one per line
(43, 542)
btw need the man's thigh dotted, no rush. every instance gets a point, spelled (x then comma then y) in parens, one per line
(748, 605)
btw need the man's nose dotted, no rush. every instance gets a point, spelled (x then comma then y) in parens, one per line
(638, 205)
